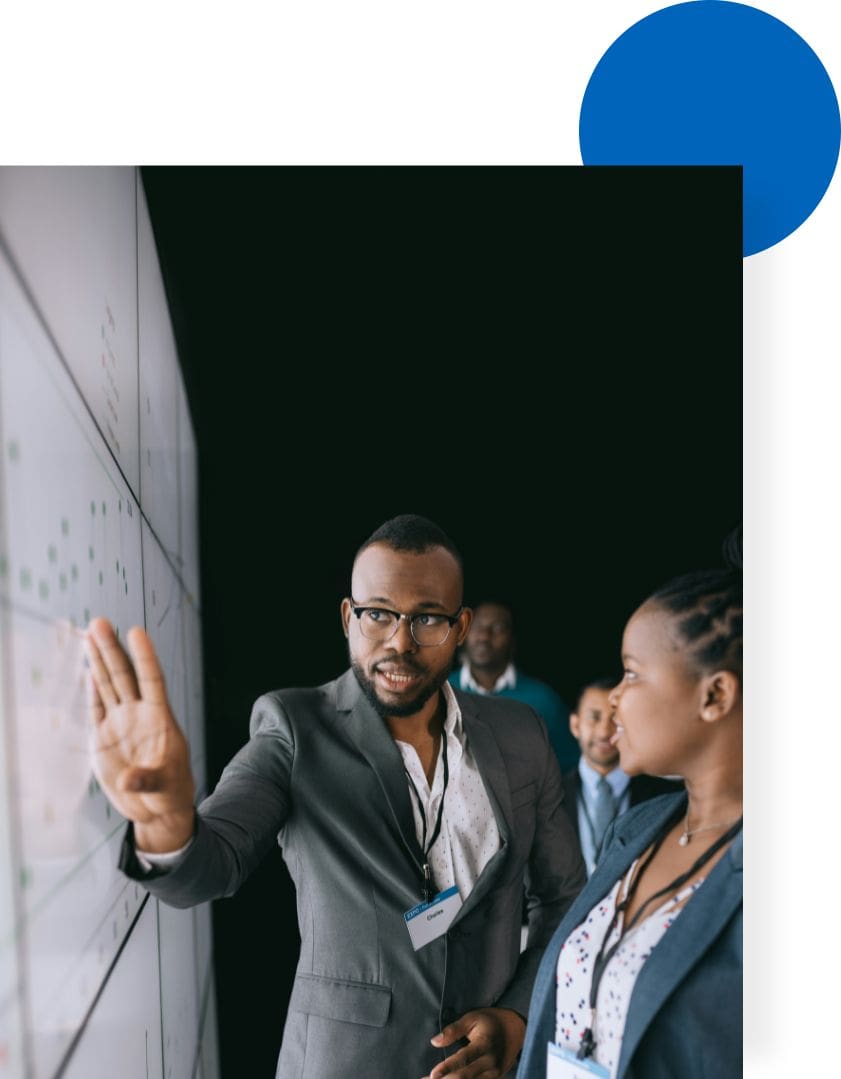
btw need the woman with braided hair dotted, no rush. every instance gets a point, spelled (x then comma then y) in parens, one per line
(643, 977)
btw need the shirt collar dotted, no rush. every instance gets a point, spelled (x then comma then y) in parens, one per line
(454, 732)
(452, 720)
(507, 680)
(617, 779)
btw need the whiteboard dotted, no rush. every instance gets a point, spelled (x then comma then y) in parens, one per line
(93, 972)
(72, 234)
(158, 381)
(123, 1035)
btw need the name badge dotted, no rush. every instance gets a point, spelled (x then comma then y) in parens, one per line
(428, 921)
(564, 1064)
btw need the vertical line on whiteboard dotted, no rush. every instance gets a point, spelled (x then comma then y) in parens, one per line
(137, 372)
(160, 986)
(15, 826)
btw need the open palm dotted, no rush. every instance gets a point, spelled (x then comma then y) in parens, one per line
(140, 757)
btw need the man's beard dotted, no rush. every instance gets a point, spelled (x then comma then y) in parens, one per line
(610, 762)
(407, 708)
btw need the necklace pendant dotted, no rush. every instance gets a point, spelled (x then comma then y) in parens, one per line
(684, 840)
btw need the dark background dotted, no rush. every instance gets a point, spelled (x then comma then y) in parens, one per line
(545, 361)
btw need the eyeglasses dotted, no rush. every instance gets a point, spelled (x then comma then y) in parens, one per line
(427, 629)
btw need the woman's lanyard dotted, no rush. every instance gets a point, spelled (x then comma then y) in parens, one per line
(588, 1043)
(428, 883)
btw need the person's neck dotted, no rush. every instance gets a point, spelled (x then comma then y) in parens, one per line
(715, 796)
(487, 677)
(422, 727)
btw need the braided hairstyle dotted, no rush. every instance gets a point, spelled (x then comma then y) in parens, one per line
(707, 606)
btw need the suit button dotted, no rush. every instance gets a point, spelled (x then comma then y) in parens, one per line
(447, 1015)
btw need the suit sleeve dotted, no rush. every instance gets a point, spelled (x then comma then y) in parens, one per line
(555, 874)
(238, 823)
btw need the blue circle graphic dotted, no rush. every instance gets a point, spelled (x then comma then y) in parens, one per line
(718, 83)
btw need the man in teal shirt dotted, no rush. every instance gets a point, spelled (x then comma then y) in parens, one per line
(488, 668)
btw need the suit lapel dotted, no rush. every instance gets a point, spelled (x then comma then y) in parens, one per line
(372, 738)
(488, 757)
(625, 846)
(692, 934)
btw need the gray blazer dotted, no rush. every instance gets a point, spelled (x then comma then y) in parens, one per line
(322, 775)
(685, 1017)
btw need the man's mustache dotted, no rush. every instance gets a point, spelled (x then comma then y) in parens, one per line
(405, 664)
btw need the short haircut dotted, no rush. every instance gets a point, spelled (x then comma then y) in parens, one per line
(604, 682)
(412, 533)
(496, 601)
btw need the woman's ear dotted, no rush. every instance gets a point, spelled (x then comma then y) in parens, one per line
(720, 692)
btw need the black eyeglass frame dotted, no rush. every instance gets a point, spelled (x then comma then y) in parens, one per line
(410, 618)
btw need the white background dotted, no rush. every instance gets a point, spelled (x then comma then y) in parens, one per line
(492, 82)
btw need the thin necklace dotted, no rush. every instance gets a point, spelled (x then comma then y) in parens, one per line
(687, 834)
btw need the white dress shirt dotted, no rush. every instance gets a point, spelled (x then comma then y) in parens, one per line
(469, 834)
(507, 680)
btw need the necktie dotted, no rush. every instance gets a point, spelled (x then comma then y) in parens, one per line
(604, 813)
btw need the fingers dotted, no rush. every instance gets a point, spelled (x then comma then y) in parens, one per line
(103, 689)
(110, 666)
(484, 1056)
(470, 1063)
(459, 1029)
(472, 1060)
(149, 675)
(116, 679)
(96, 709)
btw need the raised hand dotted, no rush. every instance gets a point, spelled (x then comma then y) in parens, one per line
(140, 757)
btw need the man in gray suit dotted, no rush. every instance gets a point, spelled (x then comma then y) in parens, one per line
(409, 816)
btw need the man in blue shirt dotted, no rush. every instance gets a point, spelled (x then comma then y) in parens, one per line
(488, 668)
(597, 790)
